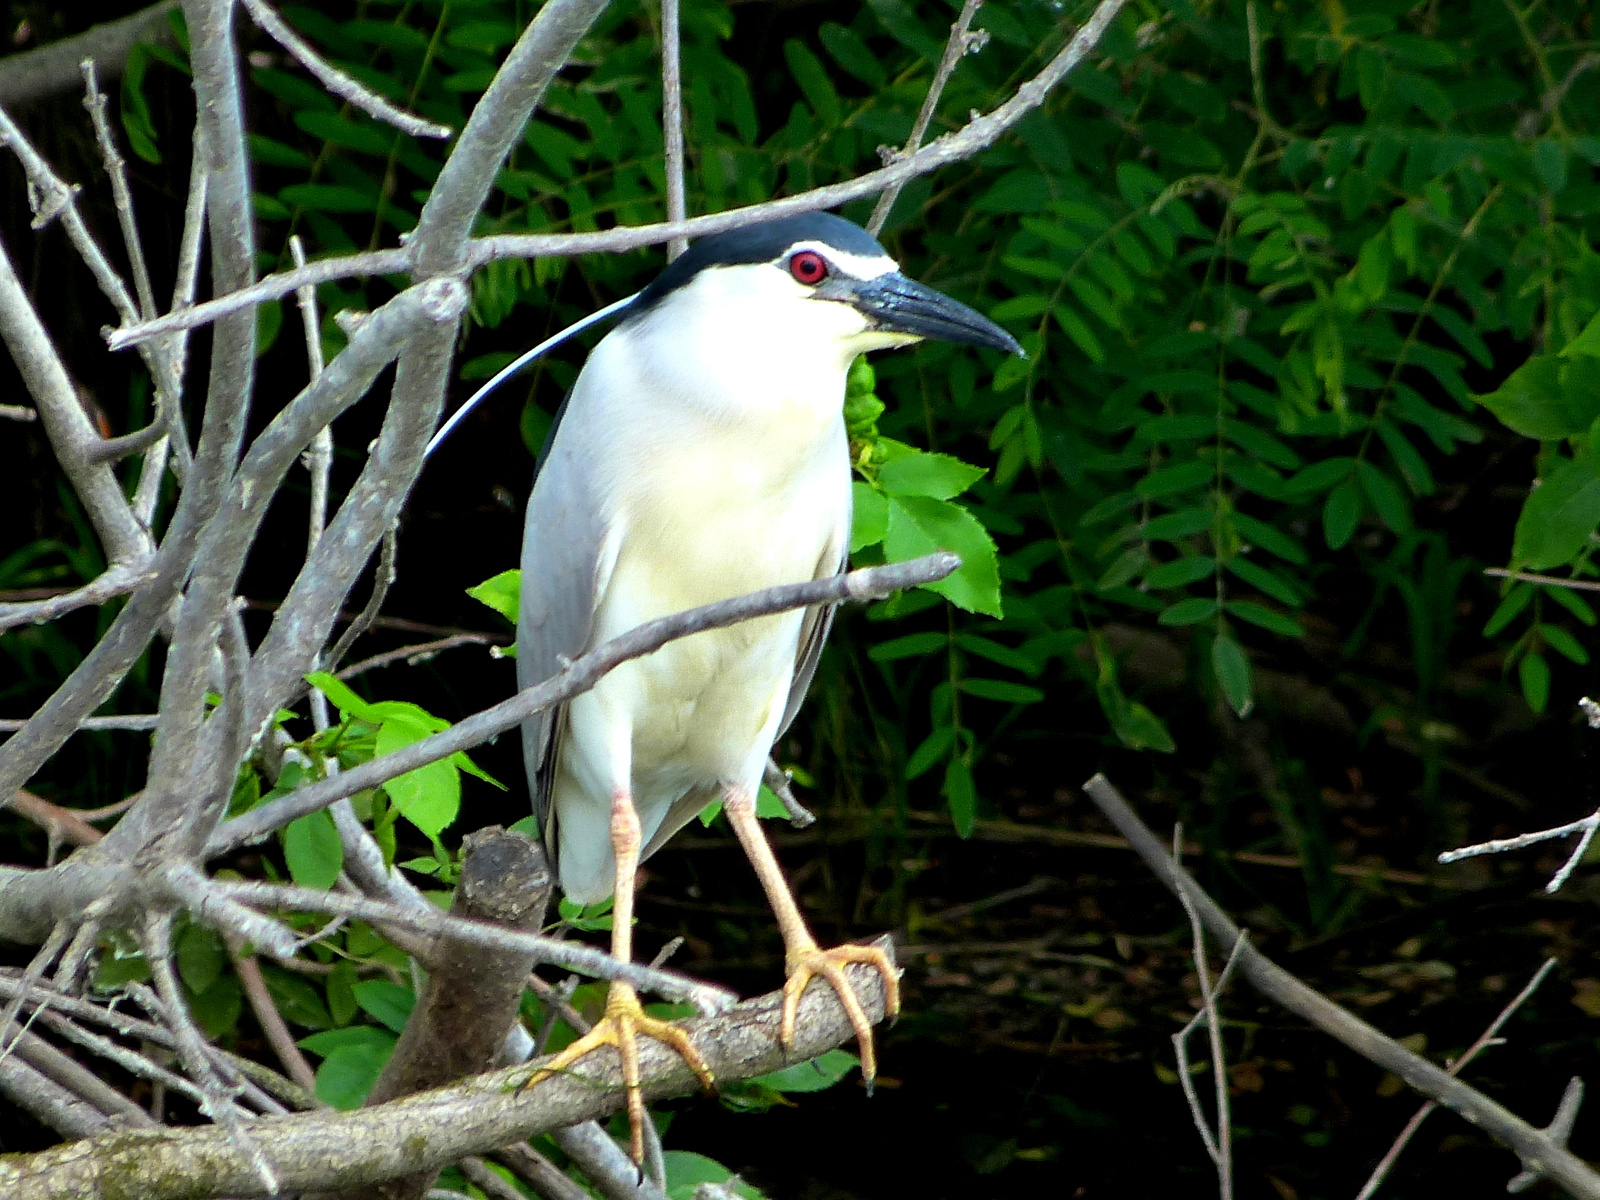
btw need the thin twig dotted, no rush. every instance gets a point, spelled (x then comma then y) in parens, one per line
(382, 579)
(336, 81)
(960, 44)
(1489, 1037)
(18, 412)
(248, 969)
(426, 919)
(420, 653)
(133, 723)
(1587, 826)
(672, 120)
(1577, 585)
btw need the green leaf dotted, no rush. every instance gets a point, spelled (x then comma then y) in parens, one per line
(1180, 573)
(1180, 478)
(1547, 397)
(870, 516)
(1341, 513)
(341, 992)
(328, 197)
(429, 797)
(1534, 673)
(346, 1076)
(1558, 516)
(813, 79)
(1514, 602)
(1189, 612)
(938, 475)
(200, 958)
(920, 525)
(1082, 337)
(962, 794)
(312, 849)
(345, 700)
(848, 50)
(1001, 690)
(1564, 644)
(934, 747)
(912, 645)
(387, 1003)
(815, 1075)
(686, 1171)
(1232, 671)
(1385, 495)
(502, 592)
(1260, 614)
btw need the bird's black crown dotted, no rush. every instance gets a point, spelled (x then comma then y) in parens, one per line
(758, 244)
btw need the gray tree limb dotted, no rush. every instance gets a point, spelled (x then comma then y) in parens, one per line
(1534, 1146)
(48, 70)
(322, 1150)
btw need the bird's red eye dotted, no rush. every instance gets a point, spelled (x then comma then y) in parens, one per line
(808, 267)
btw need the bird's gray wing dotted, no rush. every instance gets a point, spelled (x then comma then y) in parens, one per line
(813, 633)
(562, 551)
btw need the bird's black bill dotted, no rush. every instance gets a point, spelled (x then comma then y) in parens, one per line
(902, 305)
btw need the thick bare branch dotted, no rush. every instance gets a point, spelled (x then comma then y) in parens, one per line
(581, 675)
(1530, 1144)
(48, 1102)
(330, 1150)
(51, 69)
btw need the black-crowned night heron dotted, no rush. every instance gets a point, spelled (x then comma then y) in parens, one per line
(702, 455)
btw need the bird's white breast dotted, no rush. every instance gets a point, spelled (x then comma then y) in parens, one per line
(754, 492)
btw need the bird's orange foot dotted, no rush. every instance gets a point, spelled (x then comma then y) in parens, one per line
(624, 1022)
(807, 963)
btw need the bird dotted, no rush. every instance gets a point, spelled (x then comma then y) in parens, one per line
(701, 455)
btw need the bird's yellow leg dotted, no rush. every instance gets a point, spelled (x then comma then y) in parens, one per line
(625, 1019)
(803, 958)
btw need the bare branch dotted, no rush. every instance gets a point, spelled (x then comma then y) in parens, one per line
(538, 1172)
(961, 44)
(136, 722)
(77, 1079)
(1577, 585)
(35, 74)
(116, 580)
(1586, 826)
(977, 135)
(18, 412)
(672, 120)
(381, 582)
(572, 956)
(439, 243)
(121, 194)
(605, 1163)
(336, 81)
(1272, 981)
(277, 1033)
(48, 1102)
(413, 655)
(581, 675)
(330, 1149)
(1489, 1037)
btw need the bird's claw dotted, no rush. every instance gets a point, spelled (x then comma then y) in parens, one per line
(624, 1022)
(807, 964)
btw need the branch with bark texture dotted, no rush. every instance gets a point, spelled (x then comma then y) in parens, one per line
(340, 1150)
(1539, 1151)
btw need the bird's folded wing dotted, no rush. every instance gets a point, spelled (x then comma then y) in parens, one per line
(563, 560)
